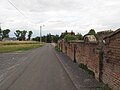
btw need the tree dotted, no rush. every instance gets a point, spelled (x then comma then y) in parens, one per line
(79, 36)
(44, 38)
(18, 34)
(49, 38)
(55, 38)
(6, 33)
(29, 35)
(36, 39)
(0, 30)
(63, 34)
(69, 37)
(23, 35)
(1, 36)
(92, 32)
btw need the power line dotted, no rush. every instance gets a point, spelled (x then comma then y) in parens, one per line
(19, 11)
(16, 8)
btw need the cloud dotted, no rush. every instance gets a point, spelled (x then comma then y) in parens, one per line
(60, 15)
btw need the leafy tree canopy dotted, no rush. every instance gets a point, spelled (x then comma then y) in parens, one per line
(79, 36)
(69, 37)
(29, 35)
(6, 33)
(92, 32)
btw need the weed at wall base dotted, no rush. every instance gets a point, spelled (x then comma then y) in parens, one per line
(84, 67)
(57, 49)
(104, 87)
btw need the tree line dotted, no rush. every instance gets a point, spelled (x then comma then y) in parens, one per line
(20, 34)
(23, 35)
(49, 38)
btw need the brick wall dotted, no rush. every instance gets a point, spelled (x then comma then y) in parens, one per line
(88, 54)
(70, 50)
(111, 64)
(85, 53)
(102, 59)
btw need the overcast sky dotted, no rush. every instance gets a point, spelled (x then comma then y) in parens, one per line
(60, 15)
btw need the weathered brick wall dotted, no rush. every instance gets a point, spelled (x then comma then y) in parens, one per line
(88, 54)
(61, 45)
(102, 59)
(70, 50)
(111, 64)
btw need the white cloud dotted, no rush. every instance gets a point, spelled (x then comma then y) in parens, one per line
(59, 15)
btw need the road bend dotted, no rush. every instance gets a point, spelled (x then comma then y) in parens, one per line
(44, 72)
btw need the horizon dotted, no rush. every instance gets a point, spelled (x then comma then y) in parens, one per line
(59, 15)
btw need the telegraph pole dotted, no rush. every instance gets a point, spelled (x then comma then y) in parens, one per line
(40, 33)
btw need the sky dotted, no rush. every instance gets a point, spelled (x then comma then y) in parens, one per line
(56, 16)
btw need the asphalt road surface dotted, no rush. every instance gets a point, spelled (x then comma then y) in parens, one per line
(41, 70)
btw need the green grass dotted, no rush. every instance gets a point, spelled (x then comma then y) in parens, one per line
(17, 46)
(17, 42)
(57, 49)
(86, 69)
(104, 87)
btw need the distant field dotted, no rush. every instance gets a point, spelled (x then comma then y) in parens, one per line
(18, 46)
(18, 42)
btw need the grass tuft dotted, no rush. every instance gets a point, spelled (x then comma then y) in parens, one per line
(57, 49)
(86, 69)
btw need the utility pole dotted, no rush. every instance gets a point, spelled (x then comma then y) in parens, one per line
(41, 33)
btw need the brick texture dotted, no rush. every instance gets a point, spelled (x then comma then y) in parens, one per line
(111, 64)
(102, 59)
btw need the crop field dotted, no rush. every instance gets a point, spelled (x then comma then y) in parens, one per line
(18, 46)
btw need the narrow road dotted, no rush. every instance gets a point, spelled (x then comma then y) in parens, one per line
(44, 72)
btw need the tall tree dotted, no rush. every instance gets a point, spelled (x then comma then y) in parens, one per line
(1, 36)
(23, 35)
(0, 30)
(18, 34)
(6, 33)
(29, 35)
